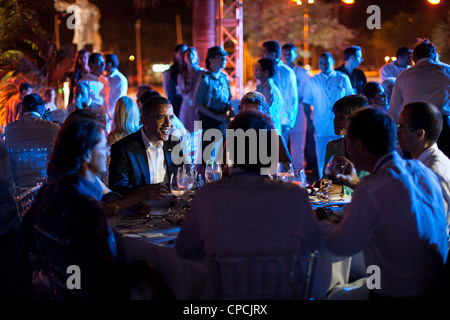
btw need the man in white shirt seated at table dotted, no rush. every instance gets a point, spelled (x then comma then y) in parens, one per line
(419, 126)
(249, 214)
(396, 215)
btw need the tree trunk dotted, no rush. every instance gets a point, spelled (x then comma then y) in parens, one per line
(204, 27)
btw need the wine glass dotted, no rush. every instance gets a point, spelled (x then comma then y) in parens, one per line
(285, 171)
(336, 165)
(177, 189)
(186, 177)
(213, 171)
(300, 178)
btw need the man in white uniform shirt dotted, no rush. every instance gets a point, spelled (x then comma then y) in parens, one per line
(118, 84)
(396, 215)
(145, 157)
(419, 126)
(393, 69)
(428, 80)
(286, 81)
(297, 134)
(321, 92)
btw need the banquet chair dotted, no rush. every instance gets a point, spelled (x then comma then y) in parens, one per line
(49, 266)
(29, 166)
(24, 200)
(269, 277)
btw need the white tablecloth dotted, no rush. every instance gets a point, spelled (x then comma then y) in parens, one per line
(153, 240)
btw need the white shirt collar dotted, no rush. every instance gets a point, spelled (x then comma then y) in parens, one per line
(147, 142)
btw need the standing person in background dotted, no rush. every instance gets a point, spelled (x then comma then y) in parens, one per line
(212, 96)
(118, 83)
(80, 69)
(428, 80)
(49, 99)
(321, 92)
(286, 81)
(187, 81)
(394, 68)
(297, 135)
(14, 104)
(352, 60)
(170, 78)
(96, 85)
(264, 72)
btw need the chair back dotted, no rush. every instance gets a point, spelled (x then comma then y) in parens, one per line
(29, 167)
(272, 277)
(25, 200)
(53, 257)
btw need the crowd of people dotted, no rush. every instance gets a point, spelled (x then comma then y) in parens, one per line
(111, 151)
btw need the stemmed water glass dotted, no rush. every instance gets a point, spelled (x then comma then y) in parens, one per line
(186, 177)
(300, 178)
(335, 166)
(285, 171)
(213, 171)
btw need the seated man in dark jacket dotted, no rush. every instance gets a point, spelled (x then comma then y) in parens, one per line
(145, 157)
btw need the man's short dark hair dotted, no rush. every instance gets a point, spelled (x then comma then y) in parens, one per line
(151, 103)
(113, 59)
(94, 57)
(273, 46)
(351, 51)
(426, 116)
(349, 104)
(375, 128)
(370, 89)
(402, 51)
(424, 48)
(33, 102)
(148, 94)
(25, 86)
(269, 65)
(253, 120)
(288, 46)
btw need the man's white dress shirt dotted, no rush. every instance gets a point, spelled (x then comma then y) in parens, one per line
(155, 156)
(426, 81)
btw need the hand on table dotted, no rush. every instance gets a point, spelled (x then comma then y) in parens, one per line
(323, 183)
(152, 192)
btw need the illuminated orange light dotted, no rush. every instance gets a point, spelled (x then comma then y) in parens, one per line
(434, 2)
(348, 1)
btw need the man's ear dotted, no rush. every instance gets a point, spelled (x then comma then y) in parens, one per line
(87, 157)
(420, 134)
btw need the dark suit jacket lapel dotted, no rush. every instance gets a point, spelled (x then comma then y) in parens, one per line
(140, 154)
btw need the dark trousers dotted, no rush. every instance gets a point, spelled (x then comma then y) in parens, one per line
(443, 141)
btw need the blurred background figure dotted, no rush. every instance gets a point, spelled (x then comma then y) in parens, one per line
(187, 82)
(374, 92)
(118, 83)
(393, 69)
(126, 119)
(14, 105)
(170, 78)
(80, 69)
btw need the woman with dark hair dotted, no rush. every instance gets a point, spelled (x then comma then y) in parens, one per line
(170, 78)
(80, 69)
(70, 208)
(187, 81)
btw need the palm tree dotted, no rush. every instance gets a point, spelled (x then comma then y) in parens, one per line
(27, 51)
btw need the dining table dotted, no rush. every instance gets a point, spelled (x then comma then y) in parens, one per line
(151, 237)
